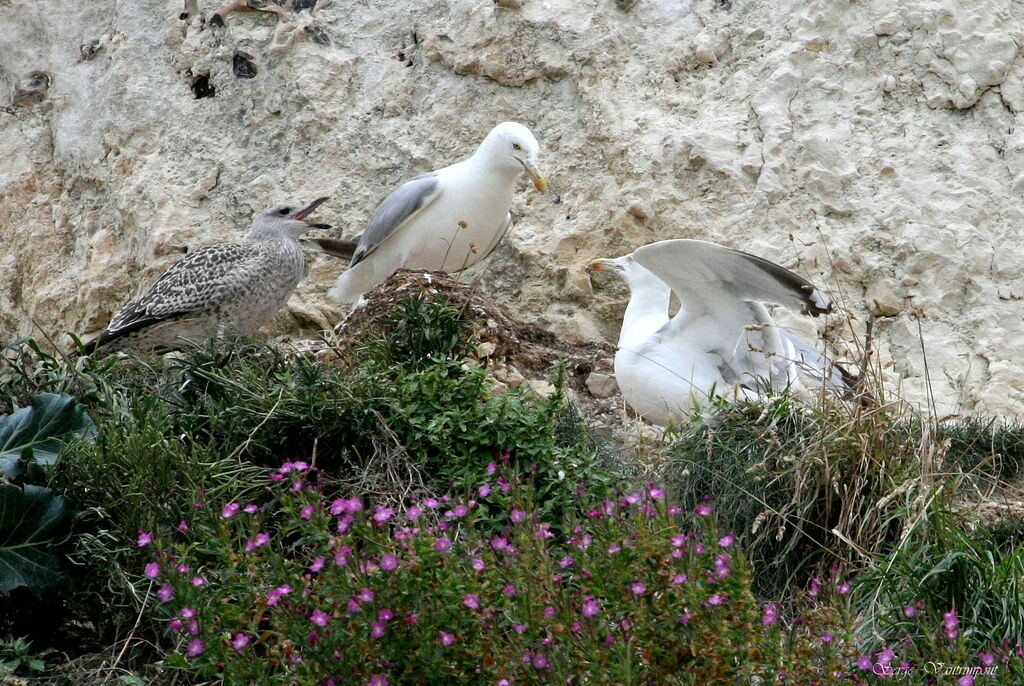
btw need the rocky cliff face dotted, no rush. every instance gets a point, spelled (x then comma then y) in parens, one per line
(872, 146)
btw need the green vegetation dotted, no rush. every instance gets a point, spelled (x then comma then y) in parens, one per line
(840, 538)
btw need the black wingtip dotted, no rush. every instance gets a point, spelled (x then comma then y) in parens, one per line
(816, 303)
(216, 20)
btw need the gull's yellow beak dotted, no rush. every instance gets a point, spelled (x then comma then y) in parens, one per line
(597, 265)
(539, 182)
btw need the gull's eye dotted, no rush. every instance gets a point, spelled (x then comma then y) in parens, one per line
(284, 211)
(516, 146)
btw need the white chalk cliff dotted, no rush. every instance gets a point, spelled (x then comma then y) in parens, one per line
(872, 146)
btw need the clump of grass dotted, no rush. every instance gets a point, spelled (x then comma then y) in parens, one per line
(993, 448)
(943, 562)
(804, 486)
(808, 486)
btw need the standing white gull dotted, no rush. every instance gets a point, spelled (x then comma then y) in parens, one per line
(722, 341)
(446, 220)
(219, 288)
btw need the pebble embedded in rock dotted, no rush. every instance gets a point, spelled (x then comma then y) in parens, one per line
(485, 349)
(601, 385)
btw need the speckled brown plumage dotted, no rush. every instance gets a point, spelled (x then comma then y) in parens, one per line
(230, 287)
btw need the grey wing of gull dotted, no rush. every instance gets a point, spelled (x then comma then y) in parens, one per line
(196, 283)
(404, 202)
(718, 276)
(335, 247)
(814, 363)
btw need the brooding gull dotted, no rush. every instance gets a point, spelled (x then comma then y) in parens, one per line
(446, 220)
(722, 342)
(219, 288)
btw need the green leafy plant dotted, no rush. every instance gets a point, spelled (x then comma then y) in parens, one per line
(17, 658)
(36, 434)
(33, 521)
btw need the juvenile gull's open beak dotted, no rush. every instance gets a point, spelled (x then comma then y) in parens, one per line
(539, 182)
(308, 209)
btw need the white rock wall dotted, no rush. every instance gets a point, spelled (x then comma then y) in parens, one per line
(872, 145)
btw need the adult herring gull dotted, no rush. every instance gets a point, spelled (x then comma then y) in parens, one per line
(219, 288)
(445, 220)
(722, 341)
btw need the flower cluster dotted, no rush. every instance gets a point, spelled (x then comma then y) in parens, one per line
(314, 589)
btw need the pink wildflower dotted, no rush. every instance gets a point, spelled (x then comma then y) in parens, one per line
(771, 615)
(445, 638)
(230, 510)
(275, 594)
(195, 648)
(145, 538)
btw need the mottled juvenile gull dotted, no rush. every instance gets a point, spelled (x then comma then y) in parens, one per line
(722, 341)
(446, 220)
(219, 288)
